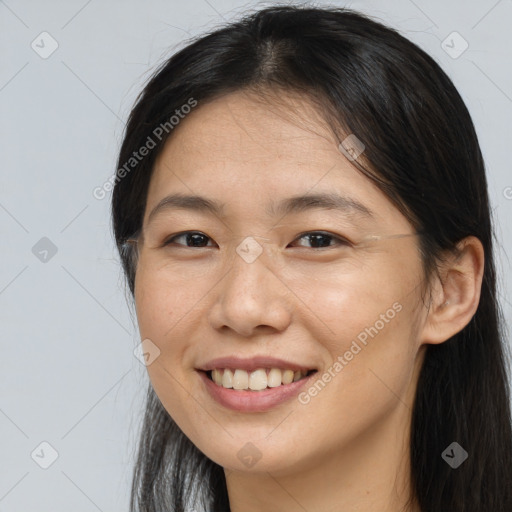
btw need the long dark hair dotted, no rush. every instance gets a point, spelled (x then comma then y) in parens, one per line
(421, 149)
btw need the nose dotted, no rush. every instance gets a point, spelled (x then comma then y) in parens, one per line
(250, 298)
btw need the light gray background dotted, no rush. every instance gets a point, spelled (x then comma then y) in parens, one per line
(68, 375)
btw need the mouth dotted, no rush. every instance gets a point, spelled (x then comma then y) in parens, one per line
(255, 391)
(257, 380)
(255, 384)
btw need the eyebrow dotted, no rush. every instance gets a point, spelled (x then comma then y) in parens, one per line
(291, 205)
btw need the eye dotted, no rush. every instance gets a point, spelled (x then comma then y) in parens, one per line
(321, 239)
(318, 239)
(194, 238)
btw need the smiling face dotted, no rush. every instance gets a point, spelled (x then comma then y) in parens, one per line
(272, 276)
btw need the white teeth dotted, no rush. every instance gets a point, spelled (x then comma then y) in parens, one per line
(227, 379)
(240, 379)
(257, 380)
(274, 378)
(217, 377)
(287, 376)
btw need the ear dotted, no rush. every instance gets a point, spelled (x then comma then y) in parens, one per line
(455, 292)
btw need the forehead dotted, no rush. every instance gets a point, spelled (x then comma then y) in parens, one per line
(243, 150)
(243, 125)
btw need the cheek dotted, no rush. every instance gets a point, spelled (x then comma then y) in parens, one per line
(164, 307)
(345, 304)
(369, 328)
(163, 299)
(161, 307)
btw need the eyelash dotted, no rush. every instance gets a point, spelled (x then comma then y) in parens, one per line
(341, 241)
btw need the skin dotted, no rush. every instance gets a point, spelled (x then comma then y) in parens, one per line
(347, 448)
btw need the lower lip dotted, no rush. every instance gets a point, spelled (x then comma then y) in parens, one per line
(253, 401)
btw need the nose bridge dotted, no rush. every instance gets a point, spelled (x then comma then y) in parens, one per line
(250, 294)
(249, 271)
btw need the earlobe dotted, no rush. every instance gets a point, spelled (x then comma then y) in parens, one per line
(457, 292)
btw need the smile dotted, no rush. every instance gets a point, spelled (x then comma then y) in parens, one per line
(244, 398)
(258, 380)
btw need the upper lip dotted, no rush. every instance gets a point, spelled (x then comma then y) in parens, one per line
(253, 363)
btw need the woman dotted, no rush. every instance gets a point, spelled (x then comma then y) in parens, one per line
(302, 215)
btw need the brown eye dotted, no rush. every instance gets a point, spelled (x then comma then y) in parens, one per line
(191, 238)
(321, 239)
(315, 239)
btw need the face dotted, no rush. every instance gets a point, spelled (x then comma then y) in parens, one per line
(270, 283)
